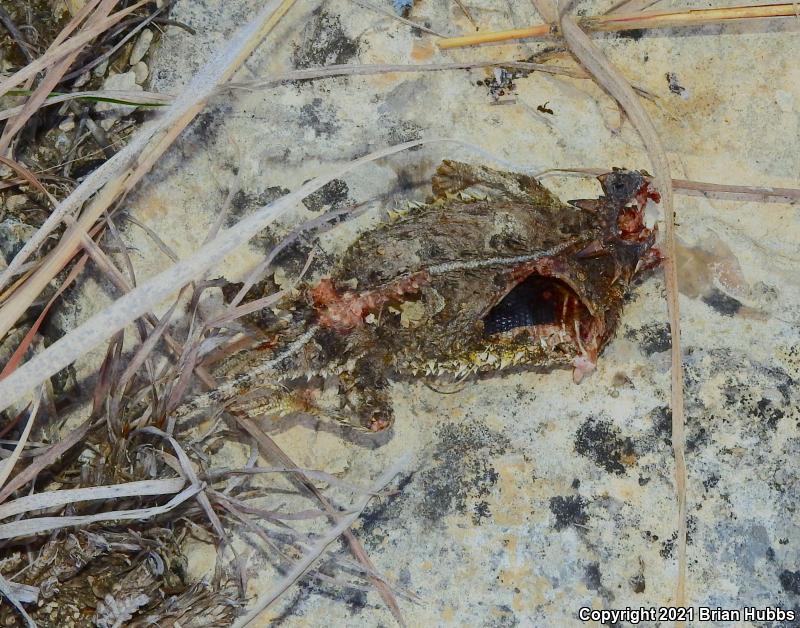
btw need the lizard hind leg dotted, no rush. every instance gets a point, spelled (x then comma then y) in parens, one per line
(469, 183)
(277, 401)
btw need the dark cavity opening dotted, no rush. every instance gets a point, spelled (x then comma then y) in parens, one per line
(537, 300)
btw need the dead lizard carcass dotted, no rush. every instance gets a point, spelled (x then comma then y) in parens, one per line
(493, 274)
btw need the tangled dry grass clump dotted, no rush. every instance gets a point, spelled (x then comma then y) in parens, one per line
(97, 511)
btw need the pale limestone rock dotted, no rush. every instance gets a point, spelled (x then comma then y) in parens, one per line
(141, 46)
(112, 112)
(141, 71)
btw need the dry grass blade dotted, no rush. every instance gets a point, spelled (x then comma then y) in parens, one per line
(120, 174)
(51, 499)
(6, 591)
(25, 593)
(317, 550)
(28, 176)
(394, 16)
(687, 186)
(320, 476)
(49, 457)
(27, 340)
(631, 21)
(7, 465)
(62, 50)
(360, 69)
(189, 472)
(609, 77)
(40, 525)
(121, 97)
(147, 347)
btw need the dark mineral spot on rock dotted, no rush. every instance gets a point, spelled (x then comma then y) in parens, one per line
(593, 577)
(462, 471)
(674, 86)
(635, 33)
(569, 510)
(208, 123)
(324, 42)
(790, 581)
(652, 338)
(383, 515)
(332, 195)
(667, 546)
(722, 303)
(320, 117)
(638, 583)
(767, 412)
(243, 203)
(661, 418)
(711, 481)
(480, 512)
(503, 617)
(602, 442)
(697, 436)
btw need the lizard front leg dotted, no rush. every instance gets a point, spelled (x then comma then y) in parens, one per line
(364, 391)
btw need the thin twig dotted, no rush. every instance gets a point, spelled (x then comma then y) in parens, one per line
(15, 33)
(394, 16)
(687, 186)
(305, 563)
(271, 448)
(119, 175)
(612, 80)
(108, 54)
(466, 13)
(630, 21)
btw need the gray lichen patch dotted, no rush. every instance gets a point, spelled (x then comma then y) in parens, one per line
(324, 42)
(603, 443)
(462, 472)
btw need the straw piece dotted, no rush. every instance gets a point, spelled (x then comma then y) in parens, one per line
(7, 465)
(39, 525)
(631, 21)
(119, 174)
(612, 80)
(318, 548)
(51, 499)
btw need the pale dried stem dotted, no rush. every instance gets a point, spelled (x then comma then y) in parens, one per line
(121, 96)
(49, 82)
(68, 47)
(7, 465)
(610, 78)
(687, 186)
(630, 21)
(122, 172)
(305, 563)
(53, 499)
